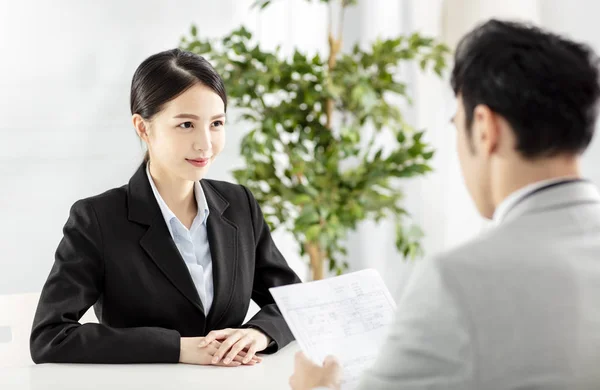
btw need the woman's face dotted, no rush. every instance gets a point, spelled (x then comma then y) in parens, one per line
(187, 134)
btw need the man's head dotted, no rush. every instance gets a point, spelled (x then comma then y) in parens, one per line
(527, 106)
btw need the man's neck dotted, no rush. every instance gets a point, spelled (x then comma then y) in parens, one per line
(519, 175)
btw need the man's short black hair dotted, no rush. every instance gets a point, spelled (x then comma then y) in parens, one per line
(545, 86)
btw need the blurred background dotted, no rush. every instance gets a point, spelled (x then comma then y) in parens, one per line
(66, 133)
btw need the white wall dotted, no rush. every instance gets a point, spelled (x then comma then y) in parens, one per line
(440, 202)
(65, 130)
(578, 21)
(372, 245)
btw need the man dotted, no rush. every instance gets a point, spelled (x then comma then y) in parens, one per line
(518, 307)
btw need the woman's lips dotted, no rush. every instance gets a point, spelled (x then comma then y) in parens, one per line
(198, 162)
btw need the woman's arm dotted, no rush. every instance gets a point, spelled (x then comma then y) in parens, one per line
(75, 283)
(271, 270)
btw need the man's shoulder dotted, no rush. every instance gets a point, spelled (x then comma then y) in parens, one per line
(506, 260)
(498, 250)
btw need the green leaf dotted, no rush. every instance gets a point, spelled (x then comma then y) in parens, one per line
(428, 155)
(420, 168)
(377, 155)
(262, 4)
(417, 136)
(313, 181)
(313, 232)
(308, 216)
(301, 199)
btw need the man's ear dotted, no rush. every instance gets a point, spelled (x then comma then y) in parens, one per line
(486, 129)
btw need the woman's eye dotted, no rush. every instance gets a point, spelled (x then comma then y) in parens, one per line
(218, 123)
(186, 125)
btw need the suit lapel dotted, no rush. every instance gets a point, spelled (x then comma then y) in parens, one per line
(159, 245)
(157, 241)
(222, 238)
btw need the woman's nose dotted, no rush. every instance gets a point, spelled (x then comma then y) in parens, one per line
(202, 141)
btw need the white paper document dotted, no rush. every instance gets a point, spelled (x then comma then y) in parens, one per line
(347, 316)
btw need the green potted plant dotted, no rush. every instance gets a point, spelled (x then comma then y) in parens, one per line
(309, 161)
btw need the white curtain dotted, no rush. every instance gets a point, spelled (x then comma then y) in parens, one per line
(65, 132)
(439, 201)
(579, 21)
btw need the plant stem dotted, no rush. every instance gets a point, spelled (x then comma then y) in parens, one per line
(317, 257)
(341, 23)
(335, 45)
(314, 250)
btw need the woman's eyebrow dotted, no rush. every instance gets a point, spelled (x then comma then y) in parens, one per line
(196, 117)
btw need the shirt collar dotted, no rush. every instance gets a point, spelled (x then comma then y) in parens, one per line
(511, 200)
(168, 215)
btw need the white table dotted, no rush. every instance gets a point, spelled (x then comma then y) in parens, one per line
(272, 373)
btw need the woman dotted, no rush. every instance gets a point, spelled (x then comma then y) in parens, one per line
(171, 256)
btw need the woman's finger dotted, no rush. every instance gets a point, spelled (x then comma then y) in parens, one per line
(214, 346)
(216, 335)
(232, 364)
(240, 359)
(226, 345)
(251, 352)
(255, 357)
(242, 354)
(237, 348)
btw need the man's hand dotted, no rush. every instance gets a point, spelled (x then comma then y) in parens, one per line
(235, 341)
(191, 352)
(308, 375)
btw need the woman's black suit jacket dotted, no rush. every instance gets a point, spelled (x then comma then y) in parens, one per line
(117, 254)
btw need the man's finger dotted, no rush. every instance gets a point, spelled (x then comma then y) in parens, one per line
(332, 365)
(300, 355)
(300, 358)
(330, 361)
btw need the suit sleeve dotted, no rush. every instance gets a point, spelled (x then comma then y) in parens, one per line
(429, 346)
(271, 270)
(75, 283)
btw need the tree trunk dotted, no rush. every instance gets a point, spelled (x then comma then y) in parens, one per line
(314, 250)
(317, 259)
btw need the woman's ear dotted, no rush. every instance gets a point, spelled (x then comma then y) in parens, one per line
(141, 127)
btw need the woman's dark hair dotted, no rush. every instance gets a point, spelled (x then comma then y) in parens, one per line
(164, 76)
(546, 86)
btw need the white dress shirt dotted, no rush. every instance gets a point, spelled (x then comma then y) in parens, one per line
(193, 243)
